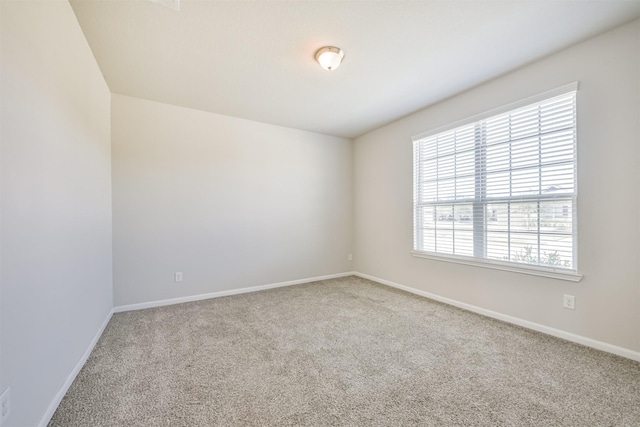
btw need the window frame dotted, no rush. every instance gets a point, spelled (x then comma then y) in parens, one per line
(531, 269)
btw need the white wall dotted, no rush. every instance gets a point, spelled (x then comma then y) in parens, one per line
(229, 202)
(2, 387)
(608, 298)
(56, 202)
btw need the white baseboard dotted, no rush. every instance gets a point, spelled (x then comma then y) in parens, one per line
(199, 297)
(72, 376)
(599, 345)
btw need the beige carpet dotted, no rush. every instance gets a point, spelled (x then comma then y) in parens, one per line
(341, 352)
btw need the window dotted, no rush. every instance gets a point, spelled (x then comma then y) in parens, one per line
(500, 189)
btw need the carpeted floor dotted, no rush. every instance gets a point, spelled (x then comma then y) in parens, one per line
(341, 352)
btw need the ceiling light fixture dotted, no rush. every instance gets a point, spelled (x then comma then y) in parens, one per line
(329, 57)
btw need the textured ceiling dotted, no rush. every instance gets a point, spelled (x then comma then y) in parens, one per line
(255, 59)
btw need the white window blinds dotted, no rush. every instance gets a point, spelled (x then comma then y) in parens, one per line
(501, 189)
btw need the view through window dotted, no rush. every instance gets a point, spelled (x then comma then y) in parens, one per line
(501, 189)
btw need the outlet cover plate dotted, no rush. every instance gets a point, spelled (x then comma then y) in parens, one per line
(569, 301)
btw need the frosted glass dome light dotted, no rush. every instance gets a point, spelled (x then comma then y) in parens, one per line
(329, 57)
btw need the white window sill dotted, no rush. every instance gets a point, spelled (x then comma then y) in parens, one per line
(497, 265)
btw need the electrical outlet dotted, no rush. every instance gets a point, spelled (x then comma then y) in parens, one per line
(350, 257)
(569, 301)
(5, 406)
(178, 276)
